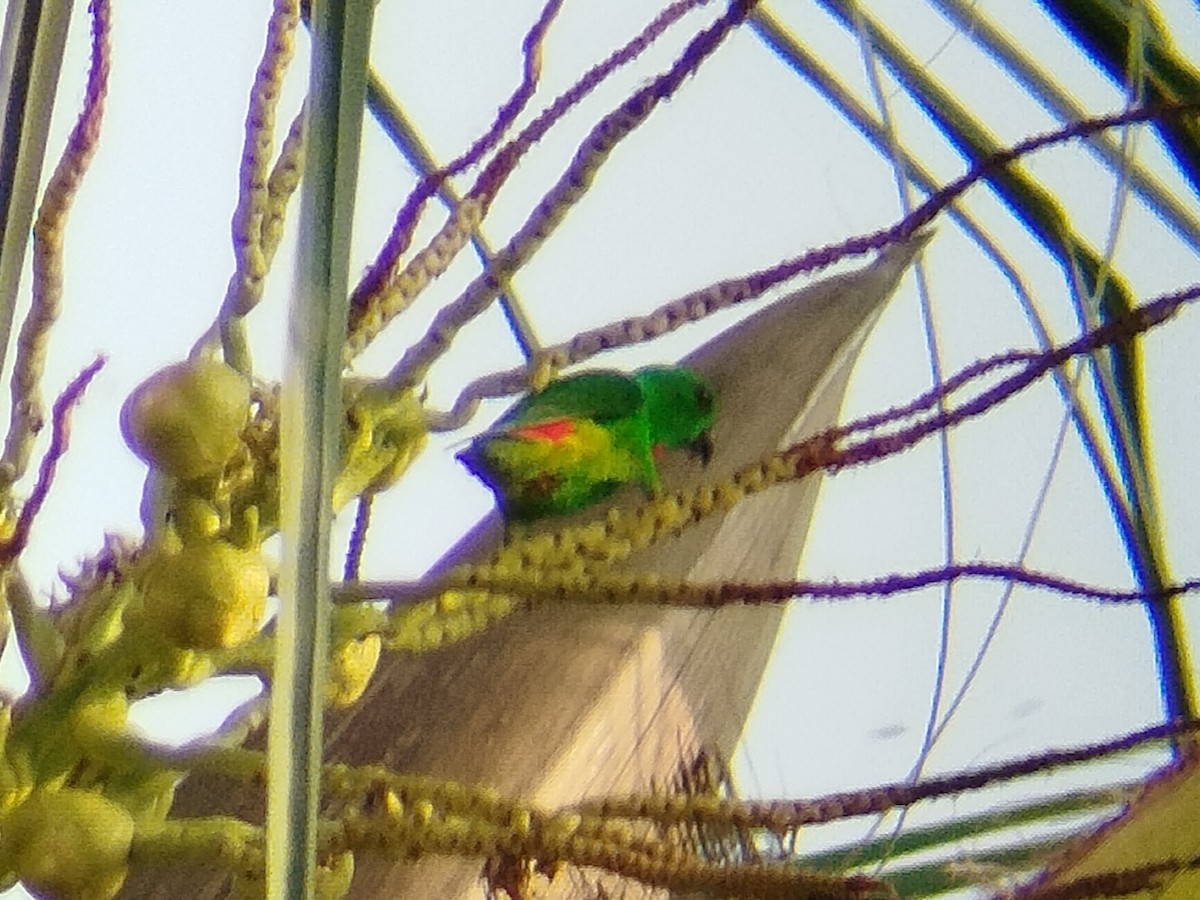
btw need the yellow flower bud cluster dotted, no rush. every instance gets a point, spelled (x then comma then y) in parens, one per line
(188, 423)
(384, 433)
(201, 588)
(211, 499)
(446, 619)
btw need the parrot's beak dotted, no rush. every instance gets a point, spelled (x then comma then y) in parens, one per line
(702, 448)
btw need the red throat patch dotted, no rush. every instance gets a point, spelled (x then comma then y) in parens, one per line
(552, 431)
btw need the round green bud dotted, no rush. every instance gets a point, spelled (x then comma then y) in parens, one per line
(69, 844)
(99, 718)
(186, 420)
(207, 596)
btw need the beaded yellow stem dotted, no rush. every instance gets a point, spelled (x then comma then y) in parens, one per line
(418, 816)
(224, 840)
(285, 178)
(251, 260)
(403, 287)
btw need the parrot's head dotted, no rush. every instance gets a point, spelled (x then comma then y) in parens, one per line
(680, 407)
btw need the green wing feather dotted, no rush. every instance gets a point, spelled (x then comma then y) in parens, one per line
(599, 396)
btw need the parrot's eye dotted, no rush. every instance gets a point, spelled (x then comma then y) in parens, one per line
(704, 397)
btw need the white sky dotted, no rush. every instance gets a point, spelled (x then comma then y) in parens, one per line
(747, 165)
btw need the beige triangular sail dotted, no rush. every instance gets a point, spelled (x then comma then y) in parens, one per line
(565, 702)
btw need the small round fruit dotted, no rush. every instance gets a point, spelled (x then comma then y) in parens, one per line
(334, 877)
(351, 666)
(186, 420)
(207, 596)
(69, 844)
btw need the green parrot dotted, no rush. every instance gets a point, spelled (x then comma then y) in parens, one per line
(577, 441)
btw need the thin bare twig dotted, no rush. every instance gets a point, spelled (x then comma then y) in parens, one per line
(59, 441)
(627, 589)
(358, 537)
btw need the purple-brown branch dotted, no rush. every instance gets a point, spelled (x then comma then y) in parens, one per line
(27, 417)
(1120, 883)
(60, 438)
(406, 220)
(1122, 328)
(558, 201)
(492, 178)
(781, 816)
(719, 594)
(698, 304)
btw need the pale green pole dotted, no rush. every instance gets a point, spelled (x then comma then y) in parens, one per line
(311, 415)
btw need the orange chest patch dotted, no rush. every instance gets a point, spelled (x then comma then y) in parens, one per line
(552, 431)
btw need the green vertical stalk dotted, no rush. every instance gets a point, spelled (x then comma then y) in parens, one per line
(310, 426)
